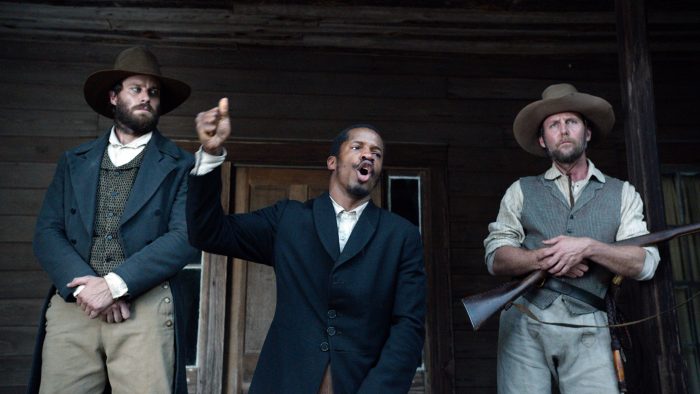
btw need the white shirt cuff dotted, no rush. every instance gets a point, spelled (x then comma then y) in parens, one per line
(651, 262)
(116, 285)
(206, 163)
(78, 290)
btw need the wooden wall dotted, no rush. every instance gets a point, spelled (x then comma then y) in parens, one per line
(466, 102)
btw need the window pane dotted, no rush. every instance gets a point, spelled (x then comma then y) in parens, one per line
(404, 197)
(191, 277)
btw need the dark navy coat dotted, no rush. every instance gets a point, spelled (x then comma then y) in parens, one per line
(152, 232)
(362, 310)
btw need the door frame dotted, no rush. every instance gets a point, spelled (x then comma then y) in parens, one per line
(431, 159)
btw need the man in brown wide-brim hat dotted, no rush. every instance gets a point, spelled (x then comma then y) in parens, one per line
(112, 237)
(563, 222)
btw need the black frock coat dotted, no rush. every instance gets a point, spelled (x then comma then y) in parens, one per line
(361, 310)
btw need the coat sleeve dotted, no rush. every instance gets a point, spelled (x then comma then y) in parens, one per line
(247, 236)
(52, 247)
(402, 351)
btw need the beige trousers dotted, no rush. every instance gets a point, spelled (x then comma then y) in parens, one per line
(81, 355)
(532, 355)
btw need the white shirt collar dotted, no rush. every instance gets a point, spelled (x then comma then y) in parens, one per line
(338, 209)
(137, 143)
(554, 173)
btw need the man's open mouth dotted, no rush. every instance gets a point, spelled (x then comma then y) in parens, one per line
(365, 170)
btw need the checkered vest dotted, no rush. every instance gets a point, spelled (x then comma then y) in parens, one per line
(115, 184)
(546, 214)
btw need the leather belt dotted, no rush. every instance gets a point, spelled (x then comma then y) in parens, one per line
(572, 291)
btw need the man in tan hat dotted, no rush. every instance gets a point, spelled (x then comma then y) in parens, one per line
(563, 222)
(112, 237)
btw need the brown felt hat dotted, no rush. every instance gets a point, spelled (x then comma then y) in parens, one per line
(133, 61)
(559, 98)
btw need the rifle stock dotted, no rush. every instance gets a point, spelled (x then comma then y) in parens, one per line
(481, 306)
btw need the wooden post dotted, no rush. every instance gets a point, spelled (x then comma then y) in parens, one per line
(657, 347)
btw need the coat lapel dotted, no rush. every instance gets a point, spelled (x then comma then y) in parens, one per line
(157, 164)
(326, 225)
(364, 231)
(84, 167)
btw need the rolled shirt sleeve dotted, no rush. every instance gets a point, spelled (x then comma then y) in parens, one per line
(507, 230)
(632, 224)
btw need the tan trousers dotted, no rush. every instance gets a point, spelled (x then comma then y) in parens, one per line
(531, 355)
(81, 355)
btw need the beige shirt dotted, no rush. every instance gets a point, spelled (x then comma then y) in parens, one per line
(507, 230)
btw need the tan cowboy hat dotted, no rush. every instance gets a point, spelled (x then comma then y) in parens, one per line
(558, 98)
(133, 61)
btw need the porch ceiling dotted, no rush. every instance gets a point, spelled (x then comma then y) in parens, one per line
(459, 27)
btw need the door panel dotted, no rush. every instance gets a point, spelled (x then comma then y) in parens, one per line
(253, 285)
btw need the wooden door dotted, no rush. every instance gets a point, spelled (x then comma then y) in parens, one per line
(252, 292)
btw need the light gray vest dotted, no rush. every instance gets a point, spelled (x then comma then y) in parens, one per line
(546, 214)
(115, 185)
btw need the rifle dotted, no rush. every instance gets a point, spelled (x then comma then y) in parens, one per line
(481, 306)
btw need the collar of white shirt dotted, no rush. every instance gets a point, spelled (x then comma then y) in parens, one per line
(338, 209)
(121, 154)
(137, 143)
(554, 173)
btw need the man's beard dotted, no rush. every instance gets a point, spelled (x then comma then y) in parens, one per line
(137, 125)
(571, 156)
(359, 191)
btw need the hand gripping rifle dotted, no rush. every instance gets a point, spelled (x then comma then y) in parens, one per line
(483, 305)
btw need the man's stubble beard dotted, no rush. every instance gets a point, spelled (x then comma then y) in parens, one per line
(568, 158)
(363, 190)
(359, 191)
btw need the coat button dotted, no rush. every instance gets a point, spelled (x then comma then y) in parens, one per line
(168, 323)
(330, 330)
(332, 314)
(73, 241)
(167, 300)
(72, 211)
(157, 212)
(324, 346)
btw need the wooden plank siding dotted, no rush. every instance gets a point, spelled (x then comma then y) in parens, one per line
(461, 97)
